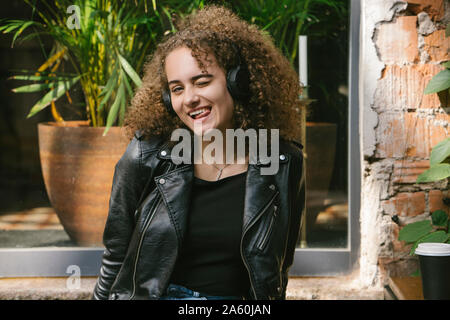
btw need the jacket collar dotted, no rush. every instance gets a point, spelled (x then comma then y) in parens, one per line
(165, 153)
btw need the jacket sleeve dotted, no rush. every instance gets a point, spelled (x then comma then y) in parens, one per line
(297, 211)
(126, 190)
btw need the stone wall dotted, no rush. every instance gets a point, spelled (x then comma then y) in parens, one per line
(402, 46)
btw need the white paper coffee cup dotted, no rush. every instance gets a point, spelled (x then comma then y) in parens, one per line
(434, 260)
(433, 249)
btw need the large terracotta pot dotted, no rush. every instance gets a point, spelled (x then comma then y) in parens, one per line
(78, 166)
(320, 150)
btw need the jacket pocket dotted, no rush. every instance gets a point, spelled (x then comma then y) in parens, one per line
(268, 226)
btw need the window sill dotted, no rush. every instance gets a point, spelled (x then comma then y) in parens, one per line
(47, 288)
(299, 288)
(330, 288)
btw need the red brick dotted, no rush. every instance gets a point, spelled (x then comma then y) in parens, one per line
(440, 132)
(397, 41)
(401, 135)
(437, 46)
(407, 171)
(428, 71)
(435, 200)
(405, 204)
(434, 8)
(402, 87)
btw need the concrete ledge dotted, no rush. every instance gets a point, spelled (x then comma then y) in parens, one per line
(303, 288)
(58, 288)
(330, 288)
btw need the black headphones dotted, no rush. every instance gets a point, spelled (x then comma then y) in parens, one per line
(238, 80)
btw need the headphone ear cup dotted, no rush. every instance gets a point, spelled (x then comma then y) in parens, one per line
(167, 100)
(238, 83)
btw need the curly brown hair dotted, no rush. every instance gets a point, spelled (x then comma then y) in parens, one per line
(274, 85)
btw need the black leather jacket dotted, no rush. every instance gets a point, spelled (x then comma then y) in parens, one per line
(148, 214)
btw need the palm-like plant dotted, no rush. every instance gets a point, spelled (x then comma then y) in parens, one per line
(106, 46)
(287, 19)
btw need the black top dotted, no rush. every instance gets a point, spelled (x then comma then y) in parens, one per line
(210, 260)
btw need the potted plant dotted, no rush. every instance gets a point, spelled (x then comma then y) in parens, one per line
(97, 45)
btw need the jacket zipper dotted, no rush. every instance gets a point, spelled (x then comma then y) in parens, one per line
(242, 239)
(146, 225)
(262, 243)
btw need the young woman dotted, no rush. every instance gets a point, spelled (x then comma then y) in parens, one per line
(208, 229)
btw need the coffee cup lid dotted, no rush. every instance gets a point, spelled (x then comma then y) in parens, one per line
(433, 249)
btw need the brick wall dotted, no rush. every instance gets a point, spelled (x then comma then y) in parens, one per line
(403, 46)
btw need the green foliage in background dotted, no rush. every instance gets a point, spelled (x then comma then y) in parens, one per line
(440, 154)
(439, 163)
(107, 51)
(436, 230)
(286, 20)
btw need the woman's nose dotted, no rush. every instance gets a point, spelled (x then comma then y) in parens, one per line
(190, 97)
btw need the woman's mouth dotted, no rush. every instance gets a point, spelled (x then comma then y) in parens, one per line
(200, 113)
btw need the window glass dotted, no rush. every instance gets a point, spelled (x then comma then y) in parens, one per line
(27, 219)
(326, 224)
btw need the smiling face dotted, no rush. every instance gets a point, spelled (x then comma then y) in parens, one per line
(198, 97)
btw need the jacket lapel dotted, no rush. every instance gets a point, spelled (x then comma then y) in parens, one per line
(258, 191)
(175, 187)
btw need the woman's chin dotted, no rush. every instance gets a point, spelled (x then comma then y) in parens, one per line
(203, 127)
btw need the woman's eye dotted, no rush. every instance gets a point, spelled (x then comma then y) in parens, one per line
(202, 83)
(176, 89)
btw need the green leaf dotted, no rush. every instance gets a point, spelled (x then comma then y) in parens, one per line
(108, 90)
(128, 86)
(414, 231)
(438, 236)
(100, 37)
(123, 106)
(446, 64)
(10, 28)
(112, 115)
(439, 82)
(130, 71)
(59, 89)
(447, 30)
(439, 218)
(40, 78)
(24, 26)
(33, 87)
(440, 152)
(435, 173)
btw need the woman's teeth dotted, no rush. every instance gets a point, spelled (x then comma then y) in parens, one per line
(196, 114)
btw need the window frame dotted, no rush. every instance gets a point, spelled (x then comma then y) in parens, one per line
(55, 261)
(340, 261)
